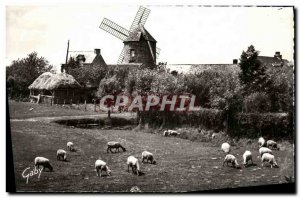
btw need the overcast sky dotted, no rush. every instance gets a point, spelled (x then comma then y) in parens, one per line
(186, 35)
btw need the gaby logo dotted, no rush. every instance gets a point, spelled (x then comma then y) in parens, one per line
(30, 173)
(150, 102)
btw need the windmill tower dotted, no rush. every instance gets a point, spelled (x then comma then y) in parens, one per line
(139, 45)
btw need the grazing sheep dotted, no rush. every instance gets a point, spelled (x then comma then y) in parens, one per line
(115, 145)
(101, 165)
(171, 133)
(134, 164)
(70, 146)
(225, 147)
(61, 154)
(231, 159)
(263, 150)
(42, 161)
(148, 156)
(267, 157)
(272, 144)
(166, 133)
(261, 142)
(247, 156)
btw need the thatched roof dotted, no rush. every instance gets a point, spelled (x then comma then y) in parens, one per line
(50, 81)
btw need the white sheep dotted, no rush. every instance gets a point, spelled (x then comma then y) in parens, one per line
(261, 142)
(225, 147)
(148, 156)
(263, 150)
(115, 145)
(272, 144)
(134, 164)
(70, 146)
(231, 159)
(171, 133)
(61, 154)
(267, 157)
(166, 133)
(101, 165)
(247, 156)
(42, 161)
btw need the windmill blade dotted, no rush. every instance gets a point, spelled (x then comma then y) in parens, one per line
(121, 57)
(114, 29)
(140, 18)
(157, 51)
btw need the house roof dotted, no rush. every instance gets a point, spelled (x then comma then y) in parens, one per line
(50, 81)
(138, 33)
(272, 61)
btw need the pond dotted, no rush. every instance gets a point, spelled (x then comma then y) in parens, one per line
(104, 123)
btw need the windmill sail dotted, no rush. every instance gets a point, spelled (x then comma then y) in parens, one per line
(114, 29)
(140, 18)
(121, 57)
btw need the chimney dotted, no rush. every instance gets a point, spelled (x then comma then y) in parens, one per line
(97, 51)
(278, 55)
(235, 61)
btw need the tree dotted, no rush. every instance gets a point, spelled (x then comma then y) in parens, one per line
(253, 73)
(109, 86)
(22, 72)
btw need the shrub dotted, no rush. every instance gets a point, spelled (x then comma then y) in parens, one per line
(257, 102)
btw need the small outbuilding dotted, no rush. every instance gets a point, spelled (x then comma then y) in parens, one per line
(58, 88)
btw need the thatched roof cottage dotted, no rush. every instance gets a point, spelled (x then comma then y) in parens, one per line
(58, 88)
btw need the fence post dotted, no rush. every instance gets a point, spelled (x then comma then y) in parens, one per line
(85, 105)
(64, 102)
(95, 105)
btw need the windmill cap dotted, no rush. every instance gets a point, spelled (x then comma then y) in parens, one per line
(137, 34)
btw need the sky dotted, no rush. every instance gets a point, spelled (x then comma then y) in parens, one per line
(185, 34)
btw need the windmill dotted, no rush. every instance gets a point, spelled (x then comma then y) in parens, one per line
(136, 30)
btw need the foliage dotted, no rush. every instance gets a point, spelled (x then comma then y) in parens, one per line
(253, 73)
(22, 72)
(257, 102)
(91, 74)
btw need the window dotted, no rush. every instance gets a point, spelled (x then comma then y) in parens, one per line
(132, 53)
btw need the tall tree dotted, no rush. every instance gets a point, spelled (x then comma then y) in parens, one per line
(253, 73)
(23, 72)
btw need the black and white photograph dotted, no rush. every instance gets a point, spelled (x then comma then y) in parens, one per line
(149, 98)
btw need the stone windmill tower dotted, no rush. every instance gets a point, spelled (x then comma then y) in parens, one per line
(139, 45)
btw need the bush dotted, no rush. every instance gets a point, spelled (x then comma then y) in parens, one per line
(257, 102)
(269, 125)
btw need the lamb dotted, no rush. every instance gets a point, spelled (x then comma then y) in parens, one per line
(101, 165)
(42, 161)
(166, 133)
(70, 146)
(272, 144)
(261, 142)
(231, 159)
(267, 157)
(115, 145)
(263, 150)
(225, 147)
(148, 156)
(134, 164)
(61, 154)
(247, 156)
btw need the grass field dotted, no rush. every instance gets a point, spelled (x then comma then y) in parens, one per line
(182, 165)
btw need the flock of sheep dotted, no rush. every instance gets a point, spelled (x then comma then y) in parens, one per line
(264, 151)
(99, 164)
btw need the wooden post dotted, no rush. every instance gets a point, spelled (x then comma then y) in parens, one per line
(64, 102)
(95, 105)
(85, 105)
